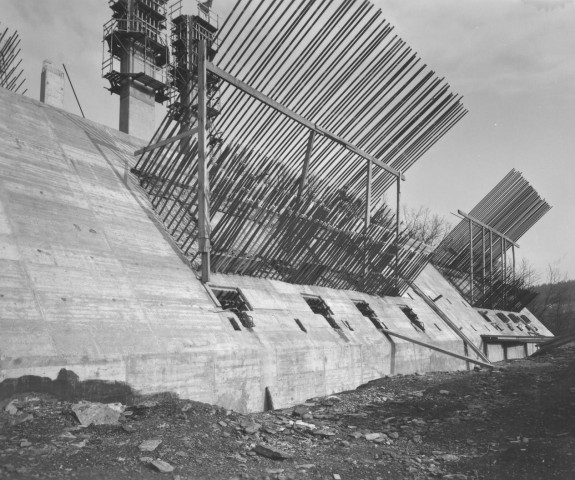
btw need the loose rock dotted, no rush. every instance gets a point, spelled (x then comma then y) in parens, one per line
(161, 466)
(89, 413)
(271, 452)
(149, 445)
(11, 408)
(448, 457)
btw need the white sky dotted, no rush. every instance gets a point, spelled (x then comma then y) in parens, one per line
(512, 60)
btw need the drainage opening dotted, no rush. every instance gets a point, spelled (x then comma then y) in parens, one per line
(233, 300)
(368, 312)
(506, 319)
(234, 323)
(300, 325)
(318, 305)
(413, 318)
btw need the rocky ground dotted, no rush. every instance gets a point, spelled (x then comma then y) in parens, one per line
(516, 422)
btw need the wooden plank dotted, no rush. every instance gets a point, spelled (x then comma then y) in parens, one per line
(479, 222)
(557, 342)
(167, 141)
(554, 343)
(244, 87)
(438, 349)
(203, 179)
(513, 339)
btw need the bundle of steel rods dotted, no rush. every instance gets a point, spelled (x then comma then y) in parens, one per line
(475, 258)
(339, 67)
(10, 71)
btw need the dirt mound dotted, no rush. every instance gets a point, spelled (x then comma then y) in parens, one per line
(517, 422)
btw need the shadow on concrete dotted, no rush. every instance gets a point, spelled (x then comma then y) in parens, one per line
(67, 386)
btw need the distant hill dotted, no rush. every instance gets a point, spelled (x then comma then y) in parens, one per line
(555, 306)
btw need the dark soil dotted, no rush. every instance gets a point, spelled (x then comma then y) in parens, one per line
(517, 422)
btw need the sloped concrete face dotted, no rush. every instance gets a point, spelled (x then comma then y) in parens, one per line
(92, 283)
(471, 322)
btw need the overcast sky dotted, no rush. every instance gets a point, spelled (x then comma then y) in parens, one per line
(512, 60)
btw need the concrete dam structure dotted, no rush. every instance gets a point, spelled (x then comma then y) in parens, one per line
(92, 282)
(242, 254)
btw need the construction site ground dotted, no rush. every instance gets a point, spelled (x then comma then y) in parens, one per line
(515, 422)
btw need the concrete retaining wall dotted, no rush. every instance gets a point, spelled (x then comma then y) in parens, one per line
(91, 282)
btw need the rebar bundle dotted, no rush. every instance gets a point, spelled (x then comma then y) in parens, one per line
(339, 65)
(335, 64)
(475, 258)
(10, 71)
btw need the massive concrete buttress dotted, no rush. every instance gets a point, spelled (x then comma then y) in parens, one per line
(91, 282)
(137, 106)
(52, 85)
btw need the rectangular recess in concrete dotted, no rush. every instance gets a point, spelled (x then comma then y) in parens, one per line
(318, 306)
(368, 312)
(300, 325)
(232, 299)
(413, 317)
(234, 323)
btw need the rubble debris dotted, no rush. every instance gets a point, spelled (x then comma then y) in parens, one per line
(91, 413)
(11, 408)
(161, 466)
(380, 431)
(149, 445)
(300, 411)
(271, 452)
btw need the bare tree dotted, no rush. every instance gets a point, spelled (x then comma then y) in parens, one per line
(426, 226)
(554, 304)
(526, 274)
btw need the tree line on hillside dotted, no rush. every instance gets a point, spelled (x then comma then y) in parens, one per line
(555, 304)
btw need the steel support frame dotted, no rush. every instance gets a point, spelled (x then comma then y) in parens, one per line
(483, 261)
(305, 168)
(244, 87)
(368, 177)
(203, 179)
(397, 224)
(504, 242)
(471, 262)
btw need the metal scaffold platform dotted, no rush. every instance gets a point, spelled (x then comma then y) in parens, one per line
(135, 46)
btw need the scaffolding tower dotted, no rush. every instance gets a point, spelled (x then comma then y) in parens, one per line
(135, 46)
(186, 33)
